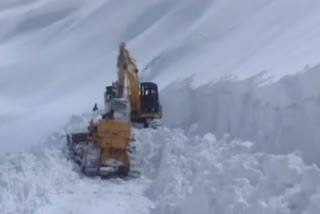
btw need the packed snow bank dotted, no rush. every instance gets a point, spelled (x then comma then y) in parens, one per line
(280, 118)
(182, 172)
(46, 182)
(30, 180)
(199, 174)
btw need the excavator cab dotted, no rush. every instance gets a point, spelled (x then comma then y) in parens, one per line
(109, 94)
(149, 98)
(143, 97)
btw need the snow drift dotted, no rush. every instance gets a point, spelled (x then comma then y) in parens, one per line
(44, 180)
(182, 172)
(200, 174)
(29, 180)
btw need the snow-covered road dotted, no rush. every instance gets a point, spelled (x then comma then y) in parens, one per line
(33, 183)
(100, 197)
(43, 180)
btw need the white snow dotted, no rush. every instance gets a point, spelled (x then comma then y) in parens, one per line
(44, 180)
(280, 118)
(199, 174)
(181, 173)
(239, 79)
(57, 57)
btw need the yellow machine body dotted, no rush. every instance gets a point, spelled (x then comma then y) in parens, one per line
(106, 149)
(113, 137)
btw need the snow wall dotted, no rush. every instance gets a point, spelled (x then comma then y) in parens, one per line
(282, 117)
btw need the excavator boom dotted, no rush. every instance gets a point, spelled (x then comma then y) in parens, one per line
(143, 97)
(127, 69)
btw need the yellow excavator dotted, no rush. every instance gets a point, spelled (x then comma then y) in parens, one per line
(107, 148)
(143, 97)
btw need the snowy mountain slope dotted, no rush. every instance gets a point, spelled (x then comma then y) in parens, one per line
(57, 56)
(240, 39)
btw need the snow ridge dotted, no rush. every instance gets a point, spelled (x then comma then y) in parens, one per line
(29, 180)
(280, 118)
(182, 172)
(198, 174)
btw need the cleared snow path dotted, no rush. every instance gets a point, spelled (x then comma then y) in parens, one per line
(45, 181)
(101, 196)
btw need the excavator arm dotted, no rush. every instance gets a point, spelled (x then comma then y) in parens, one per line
(127, 70)
(143, 97)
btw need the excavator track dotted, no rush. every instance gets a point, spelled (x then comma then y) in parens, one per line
(135, 163)
(87, 156)
(90, 161)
